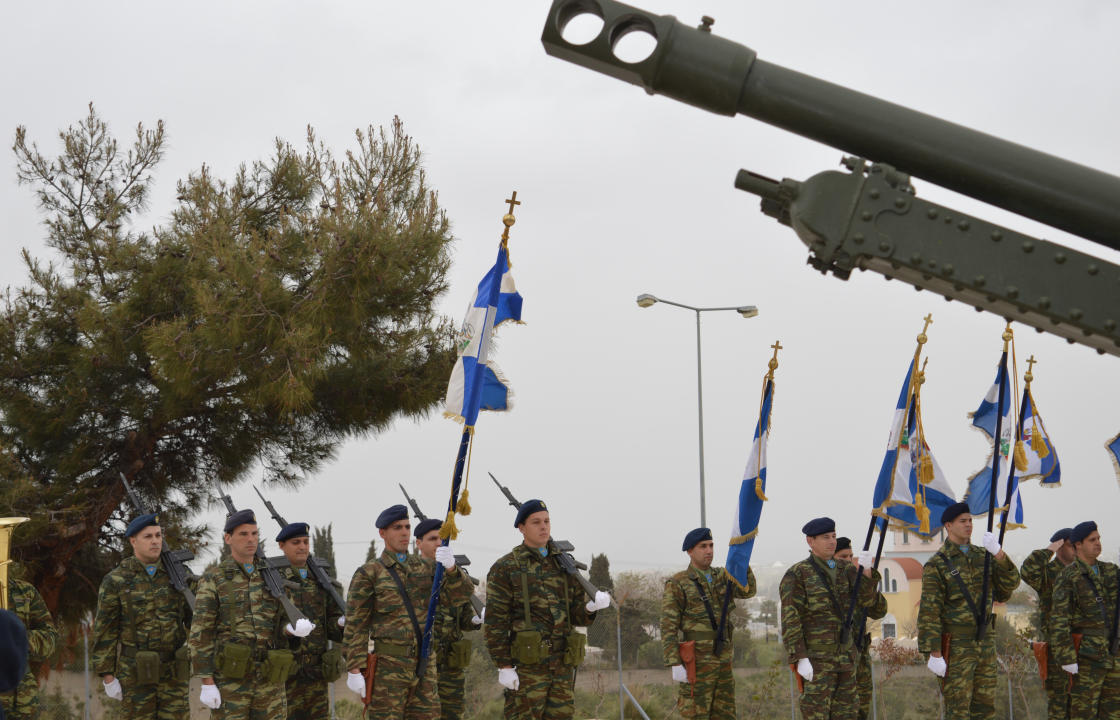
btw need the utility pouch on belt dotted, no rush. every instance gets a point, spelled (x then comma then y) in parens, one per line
(147, 667)
(527, 648)
(459, 654)
(181, 666)
(277, 665)
(331, 665)
(1039, 651)
(233, 660)
(576, 649)
(687, 651)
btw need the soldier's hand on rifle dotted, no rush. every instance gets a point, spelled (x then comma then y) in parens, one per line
(445, 557)
(679, 674)
(302, 629)
(507, 678)
(356, 682)
(937, 665)
(1071, 669)
(113, 688)
(210, 696)
(805, 669)
(602, 600)
(477, 619)
(990, 543)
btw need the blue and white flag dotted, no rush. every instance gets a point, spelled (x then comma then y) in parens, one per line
(980, 483)
(1043, 463)
(476, 383)
(752, 494)
(1113, 448)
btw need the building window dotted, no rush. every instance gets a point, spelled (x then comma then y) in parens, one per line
(888, 630)
(886, 581)
(894, 586)
(905, 538)
(926, 541)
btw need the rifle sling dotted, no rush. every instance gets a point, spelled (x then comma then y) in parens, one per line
(707, 604)
(407, 605)
(1098, 595)
(828, 587)
(956, 573)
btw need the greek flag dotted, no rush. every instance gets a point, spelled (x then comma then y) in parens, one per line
(1113, 448)
(980, 483)
(1042, 459)
(476, 382)
(752, 494)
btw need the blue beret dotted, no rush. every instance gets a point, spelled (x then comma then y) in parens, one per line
(695, 537)
(528, 508)
(819, 526)
(141, 522)
(390, 515)
(13, 650)
(1062, 534)
(952, 512)
(1081, 531)
(292, 530)
(241, 517)
(426, 526)
(843, 543)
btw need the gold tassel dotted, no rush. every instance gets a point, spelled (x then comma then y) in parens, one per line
(1037, 443)
(463, 507)
(758, 489)
(1020, 456)
(925, 469)
(922, 511)
(449, 531)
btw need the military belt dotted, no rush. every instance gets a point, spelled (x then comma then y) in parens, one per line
(382, 647)
(700, 635)
(129, 651)
(1091, 632)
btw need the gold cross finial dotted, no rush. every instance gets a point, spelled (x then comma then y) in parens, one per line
(508, 220)
(922, 335)
(1030, 366)
(774, 360)
(513, 201)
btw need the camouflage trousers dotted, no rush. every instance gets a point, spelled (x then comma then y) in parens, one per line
(864, 685)
(250, 699)
(712, 697)
(167, 700)
(544, 692)
(1057, 690)
(832, 693)
(23, 702)
(452, 692)
(308, 698)
(969, 686)
(1096, 689)
(398, 695)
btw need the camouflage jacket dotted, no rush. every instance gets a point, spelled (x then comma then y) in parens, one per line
(1074, 609)
(451, 622)
(877, 611)
(232, 605)
(1040, 570)
(42, 635)
(319, 608)
(811, 625)
(139, 611)
(683, 611)
(556, 600)
(944, 607)
(375, 609)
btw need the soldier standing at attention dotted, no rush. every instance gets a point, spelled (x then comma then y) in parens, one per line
(143, 616)
(1084, 609)
(237, 639)
(388, 602)
(692, 612)
(451, 621)
(949, 616)
(532, 609)
(316, 665)
(815, 593)
(862, 640)
(1040, 570)
(42, 640)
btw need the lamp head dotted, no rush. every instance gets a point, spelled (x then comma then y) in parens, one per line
(747, 311)
(645, 300)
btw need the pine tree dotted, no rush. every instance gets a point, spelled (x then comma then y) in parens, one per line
(602, 631)
(322, 545)
(372, 553)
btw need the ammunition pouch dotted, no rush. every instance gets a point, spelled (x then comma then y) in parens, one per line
(277, 665)
(528, 648)
(458, 655)
(147, 667)
(233, 660)
(181, 665)
(331, 665)
(575, 649)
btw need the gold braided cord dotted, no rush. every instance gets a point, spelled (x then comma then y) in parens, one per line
(450, 530)
(740, 539)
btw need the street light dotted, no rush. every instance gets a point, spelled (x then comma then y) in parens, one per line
(646, 300)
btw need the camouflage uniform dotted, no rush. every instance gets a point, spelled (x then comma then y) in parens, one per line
(556, 605)
(811, 628)
(1040, 572)
(235, 606)
(684, 617)
(138, 611)
(451, 622)
(865, 686)
(307, 692)
(1096, 686)
(375, 609)
(42, 640)
(969, 684)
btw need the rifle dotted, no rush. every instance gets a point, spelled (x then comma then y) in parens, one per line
(461, 561)
(325, 581)
(172, 560)
(569, 563)
(273, 580)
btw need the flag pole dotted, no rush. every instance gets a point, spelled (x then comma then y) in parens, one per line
(1012, 468)
(981, 623)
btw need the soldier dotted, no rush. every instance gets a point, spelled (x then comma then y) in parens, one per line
(388, 602)
(316, 664)
(238, 637)
(1040, 570)
(692, 612)
(451, 621)
(13, 652)
(815, 595)
(1083, 628)
(949, 616)
(862, 640)
(143, 616)
(532, 609)
(42, 640)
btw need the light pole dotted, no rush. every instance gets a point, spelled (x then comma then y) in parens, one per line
(645, 300)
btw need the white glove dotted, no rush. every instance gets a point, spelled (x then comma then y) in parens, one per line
(1071, 669)
(445, 557)
(866, 558)
(507, 678)
(602, 600)
(342, 621)
(356, 682)
(210, 696)
(113, 689)
(679, 673)
(805, 669)
(937, 666)
(477, 619)
(302, 629)
(990, 543)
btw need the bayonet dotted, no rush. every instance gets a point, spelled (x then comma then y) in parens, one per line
(174, 561)
(415, 507)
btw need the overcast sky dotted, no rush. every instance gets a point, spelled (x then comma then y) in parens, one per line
(622, 194)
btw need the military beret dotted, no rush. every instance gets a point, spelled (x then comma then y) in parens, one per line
(1062, 534)
(1081, 531)
(241, 517)
(13, 650)
(528, 508)
(141, 522)
(694, 537)
(819, 526)
(952, 512)
(390, 515)
(426, 526)
(843, 543)
(292, 530)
